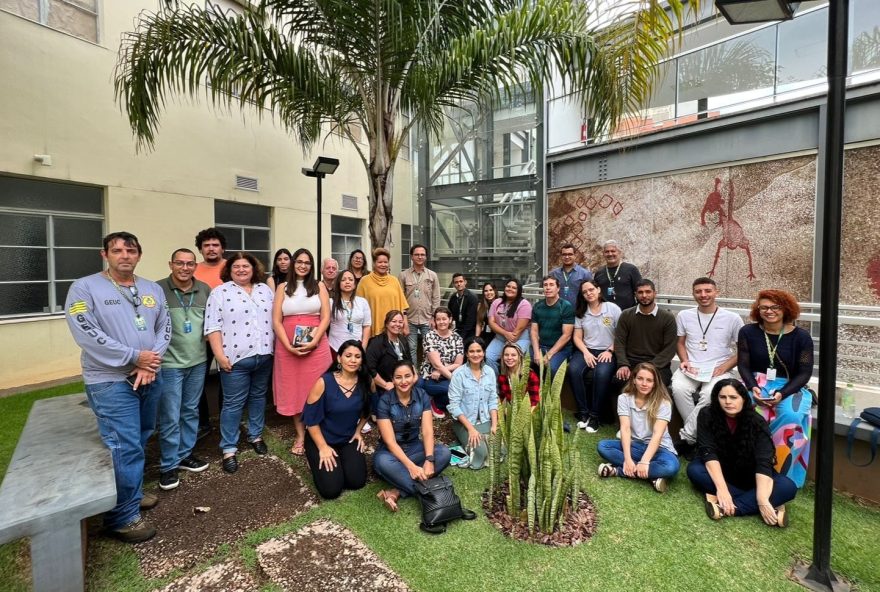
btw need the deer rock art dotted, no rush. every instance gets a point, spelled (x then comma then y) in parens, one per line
(732, 234)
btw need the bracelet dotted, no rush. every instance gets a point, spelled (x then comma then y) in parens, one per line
(645, 463)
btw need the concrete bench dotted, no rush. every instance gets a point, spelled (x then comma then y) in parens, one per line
(61, 473)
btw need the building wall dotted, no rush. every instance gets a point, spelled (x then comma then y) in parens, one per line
(58, 100)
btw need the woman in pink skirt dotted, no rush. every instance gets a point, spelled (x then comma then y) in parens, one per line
(300, 315)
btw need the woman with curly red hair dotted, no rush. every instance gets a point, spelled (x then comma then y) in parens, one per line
(775, 361)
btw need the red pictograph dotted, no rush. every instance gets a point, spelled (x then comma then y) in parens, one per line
(732, 235)
(873, 273)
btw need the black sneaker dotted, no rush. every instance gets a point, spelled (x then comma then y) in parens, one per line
(260, 447)
(168, 480)
(432, 528)
(136, 531)
(230, 464)
(193, 464)
(592, 425)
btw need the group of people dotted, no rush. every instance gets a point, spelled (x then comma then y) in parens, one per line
(341, 348)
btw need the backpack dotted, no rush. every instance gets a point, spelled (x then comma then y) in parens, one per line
(440, 504)
(871, 416)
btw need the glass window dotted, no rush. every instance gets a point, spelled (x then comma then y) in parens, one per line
(345, 237)
(50, 235)
(803, 51)
(246, 228)
(865, 36)
(76, 17)
(728, 73)
(406, 243)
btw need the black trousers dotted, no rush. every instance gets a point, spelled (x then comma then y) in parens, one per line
(350, 471)
(204, 410)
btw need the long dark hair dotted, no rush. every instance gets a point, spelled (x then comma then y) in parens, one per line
(336, 295)
(310, 283)
(277, 275)
(364, 380)
(512, 306)
(366, 268)
(749, 425)
(581, 306)
(469, 342)
(483, 305)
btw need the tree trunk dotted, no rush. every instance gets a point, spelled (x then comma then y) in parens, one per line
(381, 201)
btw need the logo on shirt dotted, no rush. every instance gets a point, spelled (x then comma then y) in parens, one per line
(78, 307)
(148, 301)
(606, 321)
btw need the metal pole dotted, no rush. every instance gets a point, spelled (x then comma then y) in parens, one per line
(819, 576)
(318, 261)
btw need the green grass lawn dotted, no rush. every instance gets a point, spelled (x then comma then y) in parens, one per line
(645, 541)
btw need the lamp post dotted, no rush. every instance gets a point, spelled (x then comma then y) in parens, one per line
(818, 575)
(324, 166)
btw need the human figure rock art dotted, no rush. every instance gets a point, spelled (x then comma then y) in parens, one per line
(732, 234)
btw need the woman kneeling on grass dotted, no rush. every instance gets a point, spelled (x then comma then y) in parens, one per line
(734, 466)
(473, 402)
(334, 414)
(401, 458)
(645, 450)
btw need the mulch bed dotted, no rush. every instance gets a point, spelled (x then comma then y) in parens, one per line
(579, 523)
(265, 491)
(325, 556)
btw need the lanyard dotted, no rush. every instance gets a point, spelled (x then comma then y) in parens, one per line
(706, 330)
(612, 278)
(770, 349)
(187, 306)
(130, 295)
(564, 275)
(460, 306)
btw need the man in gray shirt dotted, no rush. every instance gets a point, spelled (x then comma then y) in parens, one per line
(121, 323)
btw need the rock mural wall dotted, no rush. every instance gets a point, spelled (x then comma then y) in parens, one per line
(750, 226)
(860, 263)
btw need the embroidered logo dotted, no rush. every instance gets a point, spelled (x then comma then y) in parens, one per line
(78, 307)
(606, 321)
(148, 301)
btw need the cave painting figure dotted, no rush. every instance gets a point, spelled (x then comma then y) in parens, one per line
(732, 235)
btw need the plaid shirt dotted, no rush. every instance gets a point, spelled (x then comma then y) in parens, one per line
(533, 388)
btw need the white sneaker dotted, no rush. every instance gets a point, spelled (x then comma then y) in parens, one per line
(367, 428)
(582, 425)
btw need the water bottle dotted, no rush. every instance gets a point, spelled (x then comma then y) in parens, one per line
(848, 401)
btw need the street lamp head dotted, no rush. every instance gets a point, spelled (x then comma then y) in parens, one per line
(326, 165)
(309, 172)
(741, 12)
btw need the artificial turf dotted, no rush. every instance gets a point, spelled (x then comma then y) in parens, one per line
(645, 541)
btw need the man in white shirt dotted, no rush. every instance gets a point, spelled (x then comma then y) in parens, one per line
(706, 349)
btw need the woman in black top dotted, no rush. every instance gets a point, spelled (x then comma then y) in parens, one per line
(735, 458)
(385, 350)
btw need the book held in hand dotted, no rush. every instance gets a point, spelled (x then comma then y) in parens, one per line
(302, 335)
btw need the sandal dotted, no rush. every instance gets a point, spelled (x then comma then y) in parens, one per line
(713, 510)
(389, 498)
(607, 470)
(781, 517)
(298, 449)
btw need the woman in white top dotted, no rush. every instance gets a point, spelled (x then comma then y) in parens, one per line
(592, 363)
(238, 325)
(300, 316)
(350, 316)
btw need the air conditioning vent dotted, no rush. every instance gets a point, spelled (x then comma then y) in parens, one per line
(247, 183)
(349, 202)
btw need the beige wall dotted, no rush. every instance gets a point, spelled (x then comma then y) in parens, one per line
(58, 100)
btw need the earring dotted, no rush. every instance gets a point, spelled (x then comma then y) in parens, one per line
(338, 366)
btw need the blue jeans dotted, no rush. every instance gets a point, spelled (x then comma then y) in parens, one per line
(126, 420)
(664, 464)
(394, 472)
(246, 383)
(438, 390)
(558, 357)
(590, 385)
(179, 413)
(493, 349)
(416, 331)
(745, 500)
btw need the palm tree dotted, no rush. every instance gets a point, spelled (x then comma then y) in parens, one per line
(319, 65)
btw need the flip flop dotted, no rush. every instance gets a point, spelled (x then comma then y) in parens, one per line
(298, 449)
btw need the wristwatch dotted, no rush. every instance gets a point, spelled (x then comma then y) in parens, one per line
(429, 458)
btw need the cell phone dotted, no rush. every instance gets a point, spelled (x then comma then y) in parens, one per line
(765, 396)
(457, 454)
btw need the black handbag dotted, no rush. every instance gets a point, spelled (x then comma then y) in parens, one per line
(440, 504)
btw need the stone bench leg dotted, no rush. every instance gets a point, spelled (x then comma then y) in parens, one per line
(57, 559)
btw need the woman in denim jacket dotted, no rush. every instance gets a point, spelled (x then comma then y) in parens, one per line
(473, 402)
(401, 457)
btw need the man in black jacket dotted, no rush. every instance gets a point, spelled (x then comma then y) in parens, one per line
(463, 306)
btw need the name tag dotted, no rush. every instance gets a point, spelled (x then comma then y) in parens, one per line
(771, 373)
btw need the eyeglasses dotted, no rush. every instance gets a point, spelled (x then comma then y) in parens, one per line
(305, 263)
(771, 308)
(191, 264)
